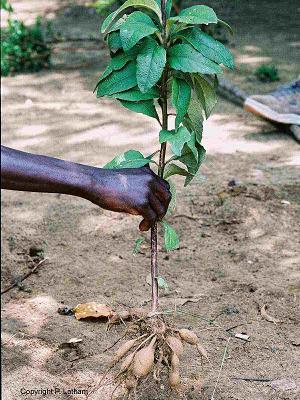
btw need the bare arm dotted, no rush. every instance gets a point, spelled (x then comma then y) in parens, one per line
(135, 191)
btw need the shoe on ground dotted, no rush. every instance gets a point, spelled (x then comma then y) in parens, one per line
(282, 105)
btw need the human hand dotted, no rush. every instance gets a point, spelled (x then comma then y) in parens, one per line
(137, 191)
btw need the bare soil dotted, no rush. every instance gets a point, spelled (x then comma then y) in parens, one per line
(239, 248)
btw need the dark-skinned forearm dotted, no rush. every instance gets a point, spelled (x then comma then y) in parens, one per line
(135, 191)
(36, 173)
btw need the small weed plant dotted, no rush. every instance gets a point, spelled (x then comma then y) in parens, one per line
(267, 73)
(23, 48)
(165, 67)
(104, 6)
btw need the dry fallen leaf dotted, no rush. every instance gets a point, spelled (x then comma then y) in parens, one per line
(94, 310)
(267, 317)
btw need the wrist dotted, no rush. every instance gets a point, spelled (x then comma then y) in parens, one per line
(75, 179)
(91, 183)
(98, 188)
(83, 183)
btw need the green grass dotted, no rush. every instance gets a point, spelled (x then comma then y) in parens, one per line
(267, 73)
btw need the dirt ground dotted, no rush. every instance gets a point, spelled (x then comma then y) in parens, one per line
(239, 250)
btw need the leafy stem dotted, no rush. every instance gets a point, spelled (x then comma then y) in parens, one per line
(161, 166)
(143, 52)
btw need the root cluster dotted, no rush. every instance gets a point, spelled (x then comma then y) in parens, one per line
(153, 347)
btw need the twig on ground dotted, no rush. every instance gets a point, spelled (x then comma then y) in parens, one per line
(241, 378)
(220, 371)
(187, 216)
(22, 278)
(235, 326)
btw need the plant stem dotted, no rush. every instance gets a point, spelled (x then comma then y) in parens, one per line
(161, 166)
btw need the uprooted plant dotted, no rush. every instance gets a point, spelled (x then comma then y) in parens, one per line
(158, 60)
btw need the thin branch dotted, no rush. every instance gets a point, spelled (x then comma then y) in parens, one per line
(154, 268)
(22, 278)
(153, 154)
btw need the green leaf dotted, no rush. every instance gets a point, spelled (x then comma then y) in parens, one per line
(169, 4)
(188, 124)
(201, 157)
(170, 236)
(181, 95)
(206, 94)
(195, 117)
(137, 245)
(129, 159)
(148, 4)
(114, 41)
(118, 81)
(227, 26)
(185, 58)
(116, 63)
(201, 154)
(197, 15)
(189, 159)
(143, 107)
(172, 204)
(150, 64)
(192, 145)
(175, 28)
(177, 139)
(188, 179)
(193, 164)
(117, 25)
(6, 6)
(208, 46)
(135, 94)
(137, 26)
(173, 169)
(187, 77)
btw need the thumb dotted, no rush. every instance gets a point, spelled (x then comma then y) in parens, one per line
(144, 225)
